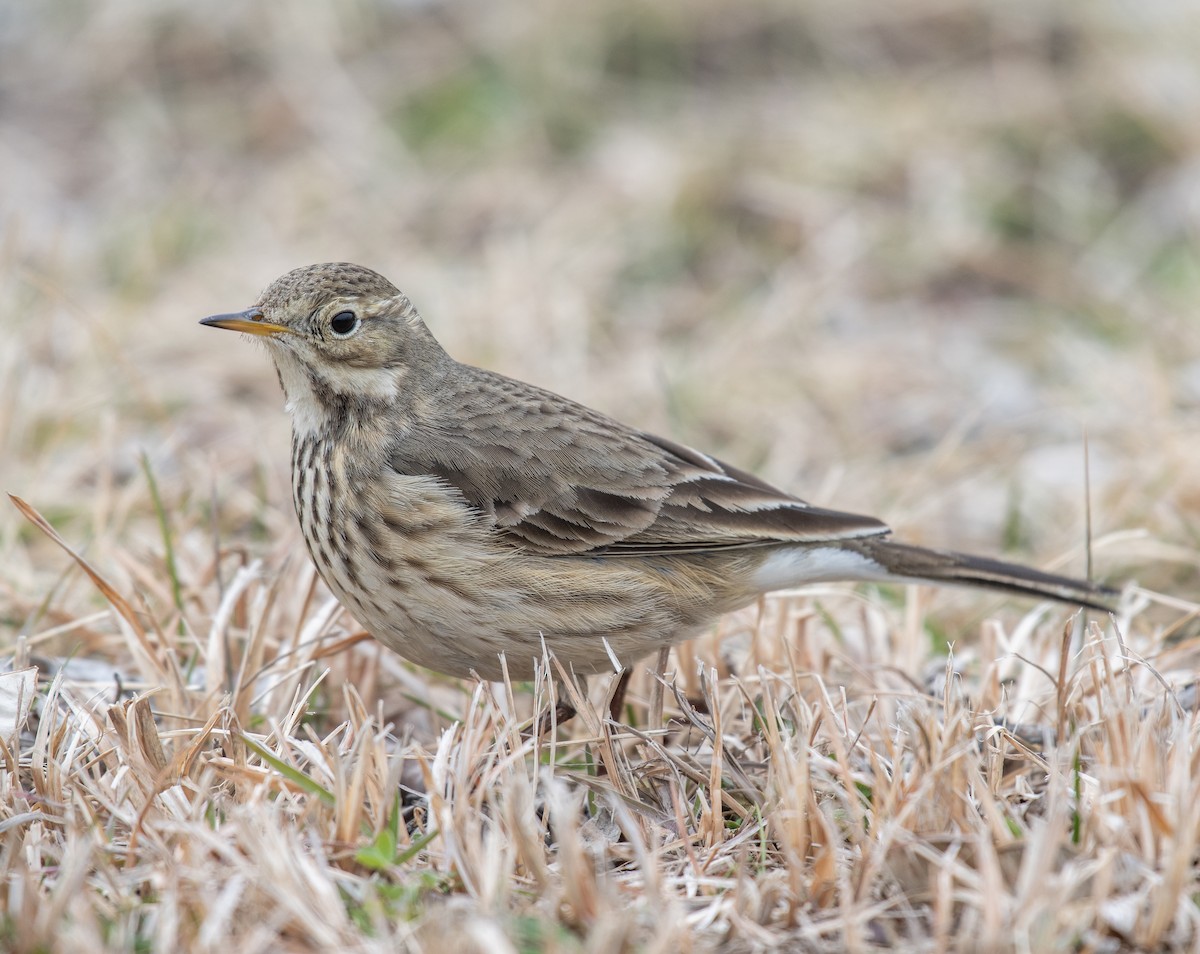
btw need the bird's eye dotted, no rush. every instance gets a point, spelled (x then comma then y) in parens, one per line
(344, 323)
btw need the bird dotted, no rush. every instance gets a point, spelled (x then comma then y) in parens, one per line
(469, 520)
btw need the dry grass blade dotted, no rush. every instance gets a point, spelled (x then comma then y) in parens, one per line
(117, 601)
(895, 258)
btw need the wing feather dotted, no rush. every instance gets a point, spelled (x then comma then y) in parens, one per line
(557, 478)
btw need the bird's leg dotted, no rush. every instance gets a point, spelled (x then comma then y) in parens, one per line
(567, 697)
(562, 712)
(616, 698)
(654, 719)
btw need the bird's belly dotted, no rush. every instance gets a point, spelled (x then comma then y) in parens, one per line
(431, 580)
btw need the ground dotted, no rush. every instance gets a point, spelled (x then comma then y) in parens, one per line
(931, 261)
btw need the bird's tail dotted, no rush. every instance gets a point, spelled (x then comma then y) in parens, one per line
(944, 566)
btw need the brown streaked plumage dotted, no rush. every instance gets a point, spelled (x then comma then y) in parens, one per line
(461, 515)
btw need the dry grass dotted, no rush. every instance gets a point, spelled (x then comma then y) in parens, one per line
(899, 259)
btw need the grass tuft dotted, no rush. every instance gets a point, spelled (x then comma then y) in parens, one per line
(897, 258)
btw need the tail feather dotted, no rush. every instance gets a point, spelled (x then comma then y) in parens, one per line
(945, 566)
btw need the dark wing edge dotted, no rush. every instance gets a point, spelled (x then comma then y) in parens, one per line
(716, 506)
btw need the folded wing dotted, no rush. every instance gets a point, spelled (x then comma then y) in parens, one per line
(557, 478)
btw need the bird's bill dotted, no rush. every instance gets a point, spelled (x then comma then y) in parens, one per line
(249, 321)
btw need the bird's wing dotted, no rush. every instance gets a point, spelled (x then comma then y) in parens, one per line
(559, 479)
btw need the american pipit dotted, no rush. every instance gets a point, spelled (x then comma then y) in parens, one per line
(461, 515)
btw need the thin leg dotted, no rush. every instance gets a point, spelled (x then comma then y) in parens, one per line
(562, 713)
(655, 719)
(617, 701)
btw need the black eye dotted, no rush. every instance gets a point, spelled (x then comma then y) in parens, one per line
(343, 323)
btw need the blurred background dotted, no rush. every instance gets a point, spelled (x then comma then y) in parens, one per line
(897, 258)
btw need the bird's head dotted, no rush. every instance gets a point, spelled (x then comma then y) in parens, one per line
(337, 332)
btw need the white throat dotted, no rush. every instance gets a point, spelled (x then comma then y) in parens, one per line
(300, 390)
